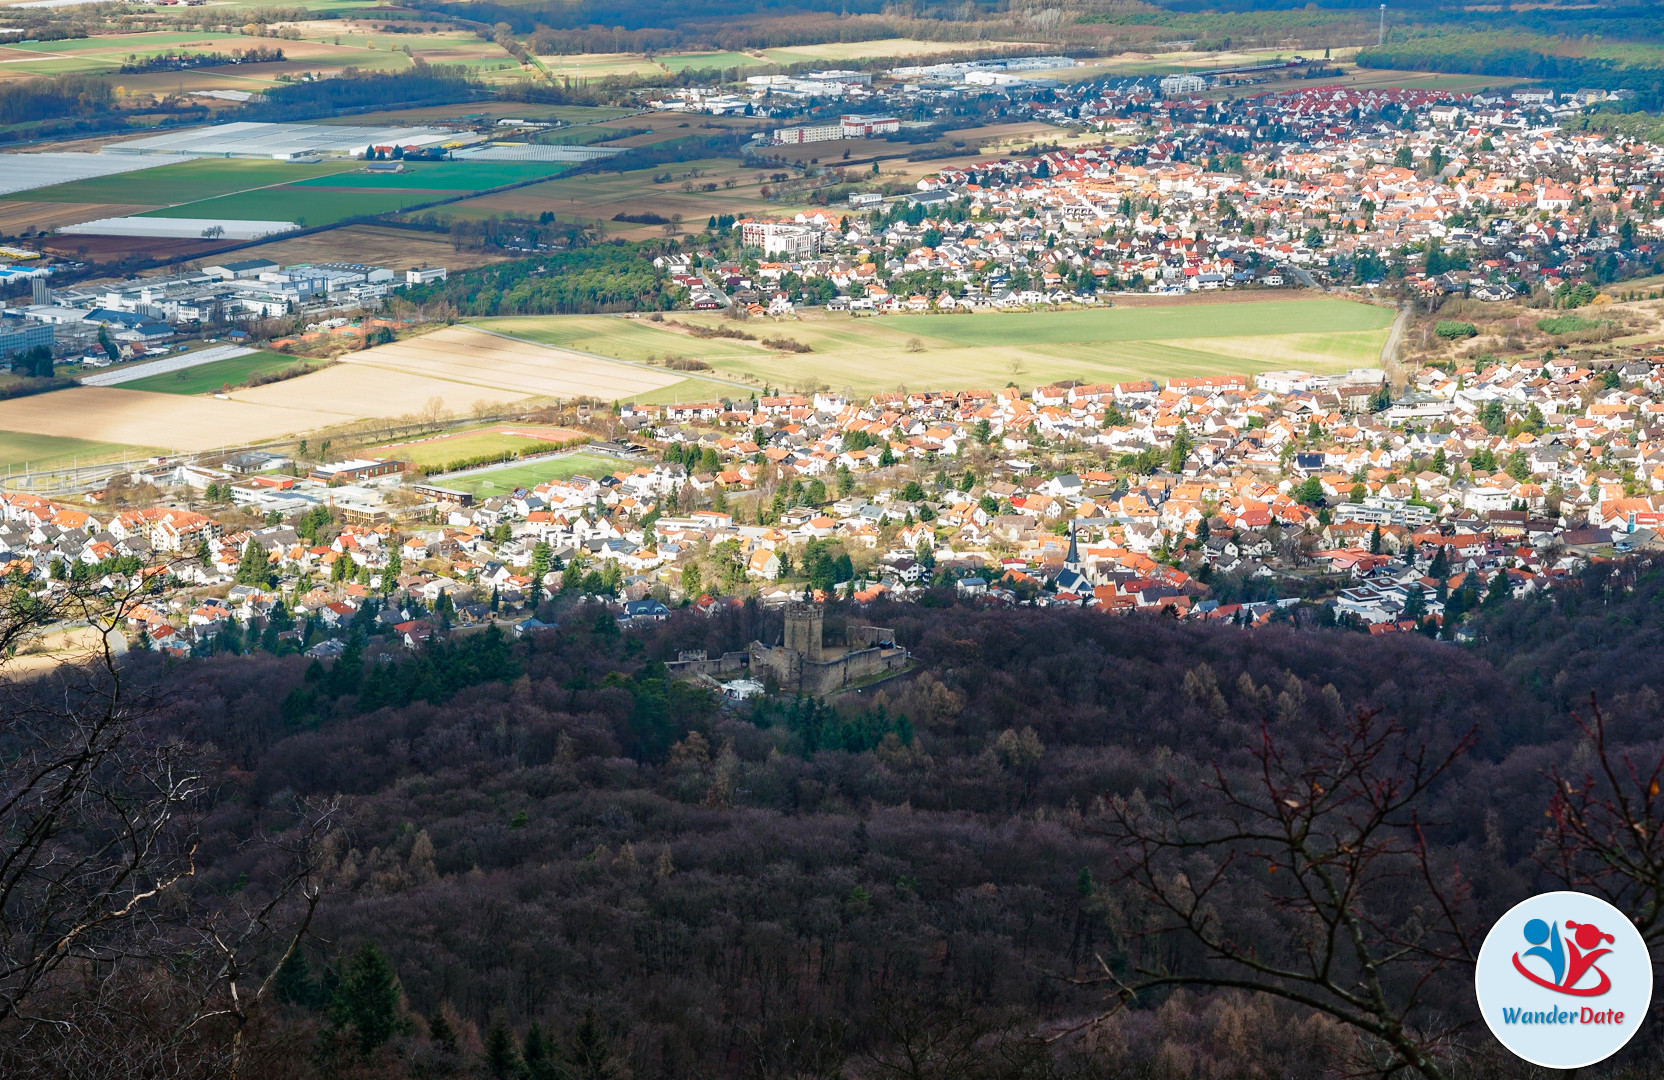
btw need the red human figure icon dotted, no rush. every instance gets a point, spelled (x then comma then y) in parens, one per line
(1581, 954)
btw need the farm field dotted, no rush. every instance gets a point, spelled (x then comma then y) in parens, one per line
(703, 61)
(303, 206)
(600, 196)
(186, 182)
(503, 481)
(462, 367)
(581, 68)
(884, 47)
(210, 377)
(323, 194)
(1149, 323)
(468, 445)
(377, 245)
(110, 414)
(634, 340)
(987, 350)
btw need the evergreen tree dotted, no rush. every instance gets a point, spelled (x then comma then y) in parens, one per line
(295, 985)
(368, 999)
(587, 1055)
(441, 1032)
(500, 1057)
(535, 1052)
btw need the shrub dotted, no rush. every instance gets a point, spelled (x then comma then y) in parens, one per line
(1453, 330)
(1567, 324)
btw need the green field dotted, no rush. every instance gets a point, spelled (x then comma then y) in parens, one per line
(1147, 323)
(870, 354)
(126, 43)
(702, 61)
(18, 449)
(620, 339)
(303, 206)
(441, 176)
(437, 453)
(207, 378)
(185, 182)
(503, 481)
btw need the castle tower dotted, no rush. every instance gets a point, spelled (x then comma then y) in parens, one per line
(803, 630)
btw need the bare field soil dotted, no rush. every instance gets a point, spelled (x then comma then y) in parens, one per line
(465, 369)
(19, 216)
(171, 421)
(118, 248)
(375, 245)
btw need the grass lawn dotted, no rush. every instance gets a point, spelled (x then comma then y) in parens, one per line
(44, 451)
(431, 453)
(207, 378)
(301, 205)
(441, 175)
(503, 481)
(185, 182)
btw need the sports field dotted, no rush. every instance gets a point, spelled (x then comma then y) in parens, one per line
(470, 445)
(989, 350)
(207, 378)
(529, 474)
(19, 450)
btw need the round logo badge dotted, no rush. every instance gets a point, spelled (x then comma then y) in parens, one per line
(1564, 980)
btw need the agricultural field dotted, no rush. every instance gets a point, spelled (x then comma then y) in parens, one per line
(872, 353)
(721, 61)
(325, 46)
(441, 176)
(442, 450)
(349, 193)
(635, 340)
(465, 369)
(600, 196)
(375, 245)
(585, 66)
(217, 375)
(900, 48)
(185, 182)
(110, 414)
(505, 480)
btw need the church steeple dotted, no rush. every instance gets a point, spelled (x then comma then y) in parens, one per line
(1073, 561)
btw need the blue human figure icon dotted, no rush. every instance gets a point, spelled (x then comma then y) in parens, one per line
(1537, 932)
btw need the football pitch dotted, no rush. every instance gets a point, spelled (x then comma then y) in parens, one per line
(504, 481)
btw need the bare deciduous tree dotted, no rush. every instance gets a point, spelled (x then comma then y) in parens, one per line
(113, 959)
(1318, 851)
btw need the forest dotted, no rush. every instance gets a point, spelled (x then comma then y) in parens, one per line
(545, 857)
(615, 276)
